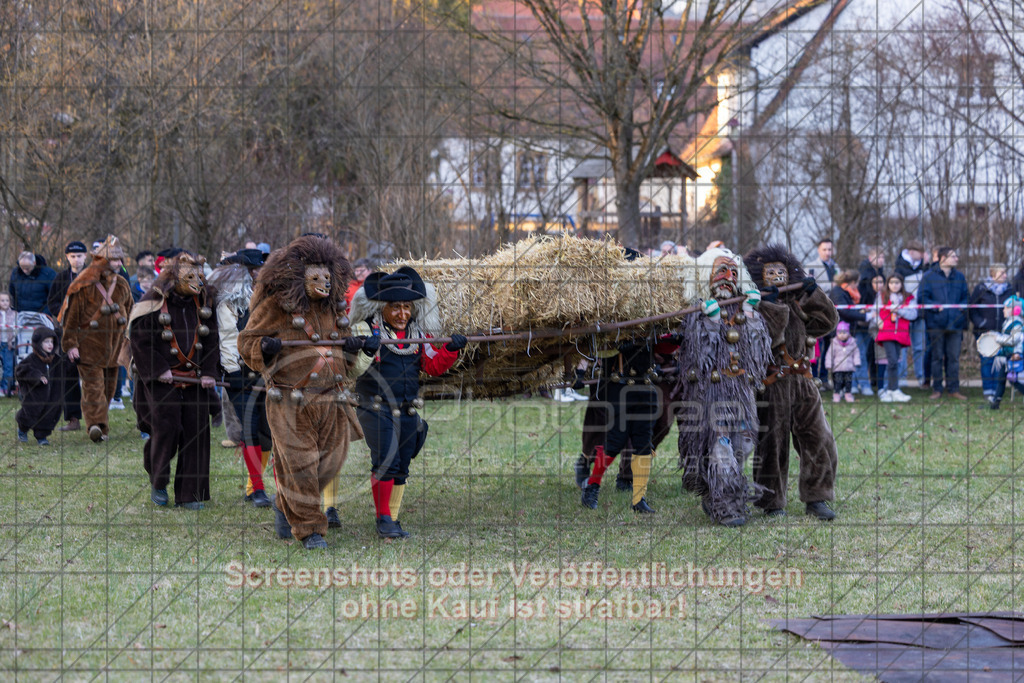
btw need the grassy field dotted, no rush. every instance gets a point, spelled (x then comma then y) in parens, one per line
(96, 582)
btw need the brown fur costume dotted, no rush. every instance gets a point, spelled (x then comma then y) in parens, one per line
(311, 437)
(791, 403)
(98, 347)
(176, 415)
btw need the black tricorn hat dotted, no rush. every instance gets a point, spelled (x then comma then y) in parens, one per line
(250, 258)
(405, 284)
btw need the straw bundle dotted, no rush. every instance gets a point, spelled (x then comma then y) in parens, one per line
(544, 283)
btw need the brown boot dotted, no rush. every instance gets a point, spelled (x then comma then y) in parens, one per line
(72, 426)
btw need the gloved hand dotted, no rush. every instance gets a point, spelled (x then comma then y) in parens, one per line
(770, 294)
(711, 309)
(753, 296)
(371, 345)
(270, 346)
(457, 343)
(810, 284)
(352, 344)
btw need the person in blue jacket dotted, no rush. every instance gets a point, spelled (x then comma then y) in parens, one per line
(943, 294)
(30, 284)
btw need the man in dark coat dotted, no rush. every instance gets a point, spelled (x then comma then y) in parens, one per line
(791, 404)
(30, 284)
(944, 286)
(71, 392)
(40, 399)
(175, 346)
(1018, 282)
(989, 295)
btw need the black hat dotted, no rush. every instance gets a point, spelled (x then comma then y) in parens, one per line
(631, 253)
(405, 284)
(250, 258)
(76, 247)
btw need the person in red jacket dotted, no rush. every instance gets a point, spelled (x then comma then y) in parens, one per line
(895, 310)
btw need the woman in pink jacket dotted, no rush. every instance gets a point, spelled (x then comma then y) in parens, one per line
(895, 310)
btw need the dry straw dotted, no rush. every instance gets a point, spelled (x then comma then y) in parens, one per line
(547, 283)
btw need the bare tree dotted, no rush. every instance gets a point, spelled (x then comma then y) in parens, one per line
(619, 75)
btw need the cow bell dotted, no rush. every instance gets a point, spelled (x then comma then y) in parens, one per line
(314, 376)
(296, 395)
(817, 383)
(691, 376)
(205, 312)
(274, 394)
(342, 321)
(314, 338)
(167, 335)
(417, 403)
(732, 336)
(716, 376)
(630, 381)
(198, 346)
(121, 320)
(395, 412)
(203, 330)
(339, 378)
(164, 318)
(333, 336)
(105, 309)
(94, 324)
(410, 410)
(115, 307)
(298, 322)
(810, 342)
(739, 318)
(616, 377)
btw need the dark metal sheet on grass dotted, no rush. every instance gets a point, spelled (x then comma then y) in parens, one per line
(903, 663)
(982, 646)
(938, 636)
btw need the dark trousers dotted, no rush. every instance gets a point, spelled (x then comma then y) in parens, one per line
(393, 441)
(72, 390)
(39, 419)
(842, 382)
(178, 422)
(945, 349)
(633, 410)
(892, 370)
(251, 409)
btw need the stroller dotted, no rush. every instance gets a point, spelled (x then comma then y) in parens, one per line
(27, 322)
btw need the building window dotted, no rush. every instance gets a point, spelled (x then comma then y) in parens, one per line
(532, 170)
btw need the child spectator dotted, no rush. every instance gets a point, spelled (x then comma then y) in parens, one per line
(8, 343)
(895, 310)
(1009, 363)
(842, 358)
(40, 397)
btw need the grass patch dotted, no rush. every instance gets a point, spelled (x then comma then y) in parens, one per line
(95, 580)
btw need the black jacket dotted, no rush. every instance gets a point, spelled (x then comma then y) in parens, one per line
(867, 274)
(987, 319)
(1018, 282)
(40, 403)
(857, 318)
(58, 290)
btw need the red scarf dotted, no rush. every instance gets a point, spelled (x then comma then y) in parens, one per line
(852, 290)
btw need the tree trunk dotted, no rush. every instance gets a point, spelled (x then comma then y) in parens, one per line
(627, 209)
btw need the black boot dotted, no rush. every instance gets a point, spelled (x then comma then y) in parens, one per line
(643, 507)
(159, 497)
(821, 510)
(314, 542)
(333, 521)
(259, 499)
(589, 497)
(582, 468)
(623, 485)
(281, 525)
(386, 528)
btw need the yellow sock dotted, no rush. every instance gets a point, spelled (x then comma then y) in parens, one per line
(641, 475)
(396, 500)
(264, 457)
(329, 496)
